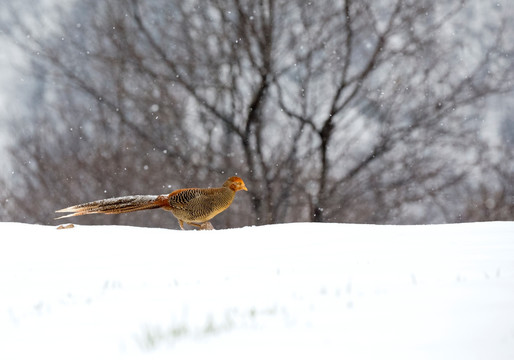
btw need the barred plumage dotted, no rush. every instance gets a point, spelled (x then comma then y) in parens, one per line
(116, 205)
(194, 206)
(200, 205)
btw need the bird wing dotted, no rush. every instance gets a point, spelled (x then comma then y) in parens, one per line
(187, 198)
(199, 205)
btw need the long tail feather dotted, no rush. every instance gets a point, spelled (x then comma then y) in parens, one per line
(117, 205)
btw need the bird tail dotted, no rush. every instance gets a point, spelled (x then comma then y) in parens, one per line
(117, 205)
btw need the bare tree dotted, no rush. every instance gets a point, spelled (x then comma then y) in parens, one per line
(492, 197)
(348, 111)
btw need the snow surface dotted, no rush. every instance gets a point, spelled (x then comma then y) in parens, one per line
(317, 291)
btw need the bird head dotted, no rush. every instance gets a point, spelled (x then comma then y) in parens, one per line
(235, 183)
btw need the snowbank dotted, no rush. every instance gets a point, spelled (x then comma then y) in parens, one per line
(324, 291)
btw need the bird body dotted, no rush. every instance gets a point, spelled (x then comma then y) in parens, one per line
(193, 206)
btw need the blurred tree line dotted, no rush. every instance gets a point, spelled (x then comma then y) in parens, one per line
(337, 111)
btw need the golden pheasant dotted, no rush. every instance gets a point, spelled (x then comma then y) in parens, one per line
(193, 206)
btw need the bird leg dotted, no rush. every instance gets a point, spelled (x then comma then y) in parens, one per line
(202, 226)
(206, 226)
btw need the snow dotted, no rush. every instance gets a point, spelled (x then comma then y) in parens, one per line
(324, 291)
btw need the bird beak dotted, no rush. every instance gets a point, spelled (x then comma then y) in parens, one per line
(244, 188)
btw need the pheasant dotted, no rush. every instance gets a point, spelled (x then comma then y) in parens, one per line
(194, 206)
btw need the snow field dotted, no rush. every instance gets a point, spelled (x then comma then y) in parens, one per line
(326, 291)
